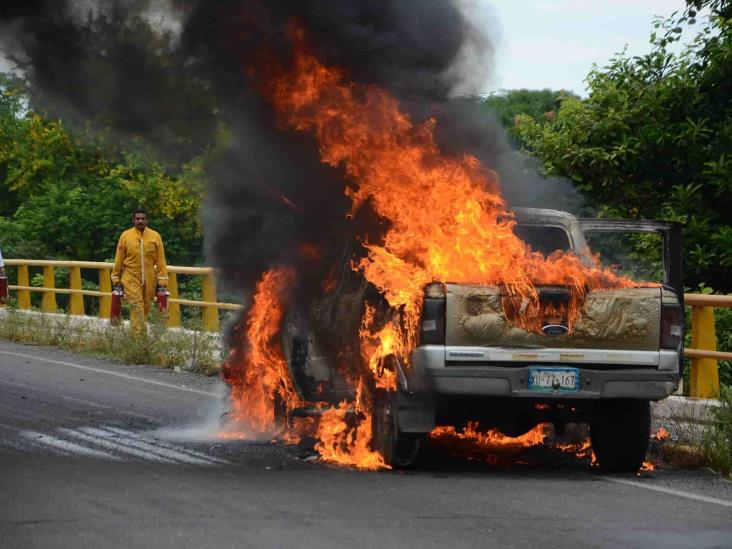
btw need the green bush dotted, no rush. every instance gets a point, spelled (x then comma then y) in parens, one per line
(67, 195)
(723, 324)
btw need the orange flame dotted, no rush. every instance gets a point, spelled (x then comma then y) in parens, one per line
(646, 467)
(446, 222)
(378, 346)
(492, 438)
(582, 450)
(661, 434)
(259, 378)
(257, 372)
(348, 441)
(447, 219)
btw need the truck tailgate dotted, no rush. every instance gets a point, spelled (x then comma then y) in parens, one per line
(623, 319)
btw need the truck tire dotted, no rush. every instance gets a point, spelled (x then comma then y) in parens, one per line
(399, 449)
(620, 440)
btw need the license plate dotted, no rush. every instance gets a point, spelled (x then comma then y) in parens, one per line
(554, 379)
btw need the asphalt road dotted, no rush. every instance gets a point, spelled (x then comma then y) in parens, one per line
(97, 454)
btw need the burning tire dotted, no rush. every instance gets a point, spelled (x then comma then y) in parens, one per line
(620, 440)
(398, 448)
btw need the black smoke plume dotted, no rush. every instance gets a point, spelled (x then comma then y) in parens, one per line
(173, 73)
(105, 65)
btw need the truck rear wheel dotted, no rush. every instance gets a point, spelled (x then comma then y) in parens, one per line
(620, 439)
(399, 449)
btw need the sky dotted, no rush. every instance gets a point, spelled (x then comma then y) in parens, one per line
(553, 43)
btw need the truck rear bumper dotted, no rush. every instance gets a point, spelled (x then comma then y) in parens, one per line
(432, 372)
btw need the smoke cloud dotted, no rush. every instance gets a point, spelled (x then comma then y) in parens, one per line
(172, 74)
(111, 65)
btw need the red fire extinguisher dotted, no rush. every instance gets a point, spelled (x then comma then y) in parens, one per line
(161, 298)
(3, 289)
(115, 314)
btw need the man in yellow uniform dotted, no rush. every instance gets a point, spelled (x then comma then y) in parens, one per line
(139, 266)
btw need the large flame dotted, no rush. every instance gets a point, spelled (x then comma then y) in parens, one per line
(347, 440)
(446, 222)
(256, 370)
(378, 346)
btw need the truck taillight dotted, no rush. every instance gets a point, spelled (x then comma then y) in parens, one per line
(432, 323)
(672, 326)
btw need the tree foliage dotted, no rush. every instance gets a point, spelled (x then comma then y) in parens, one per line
(540, 105)
(63, 196)
(654, 139)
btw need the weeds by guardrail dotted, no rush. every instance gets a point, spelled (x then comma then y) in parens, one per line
(186, 350)
(717, 444)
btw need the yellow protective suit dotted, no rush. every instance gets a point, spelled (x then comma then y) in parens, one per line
(139, 266)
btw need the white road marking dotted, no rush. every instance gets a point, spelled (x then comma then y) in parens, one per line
(65, 445)
(115, 374)
(112, 444)
(174, 455)
(671, 491)
(164, 444)
(119, 448)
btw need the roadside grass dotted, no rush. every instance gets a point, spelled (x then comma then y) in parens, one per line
(699, 434)
(183, 350)
(717, 442)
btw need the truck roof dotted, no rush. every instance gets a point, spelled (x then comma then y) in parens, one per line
(544, 216)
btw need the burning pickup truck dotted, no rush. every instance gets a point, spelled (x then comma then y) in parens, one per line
(473, 362)
(446, 306)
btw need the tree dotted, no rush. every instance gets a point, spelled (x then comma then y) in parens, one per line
(654, 139)
(69, 197)
(537, 104)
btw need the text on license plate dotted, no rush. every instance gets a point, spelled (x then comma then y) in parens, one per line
(554, 379)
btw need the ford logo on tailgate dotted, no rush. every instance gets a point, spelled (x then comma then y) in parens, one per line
(555, 330)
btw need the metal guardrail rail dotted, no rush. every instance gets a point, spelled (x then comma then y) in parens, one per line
(703, 351)
(75, 291)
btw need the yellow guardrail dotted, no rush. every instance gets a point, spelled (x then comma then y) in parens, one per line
(703, 351)
(76, 300)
